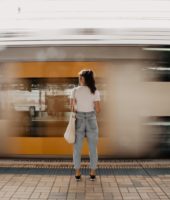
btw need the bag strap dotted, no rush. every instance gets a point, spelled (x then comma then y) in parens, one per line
(73, 105)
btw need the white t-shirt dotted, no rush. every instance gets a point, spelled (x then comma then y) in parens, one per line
(84, 98)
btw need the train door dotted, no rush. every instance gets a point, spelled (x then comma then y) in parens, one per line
(38, 105)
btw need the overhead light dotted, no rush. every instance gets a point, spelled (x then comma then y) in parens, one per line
(155, 49)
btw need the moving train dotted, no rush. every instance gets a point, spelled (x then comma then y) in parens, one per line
(134, 83)
(44, 45)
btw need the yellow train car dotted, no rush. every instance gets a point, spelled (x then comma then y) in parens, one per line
(34, 101)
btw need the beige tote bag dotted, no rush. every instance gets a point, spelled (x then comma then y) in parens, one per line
(70, 132)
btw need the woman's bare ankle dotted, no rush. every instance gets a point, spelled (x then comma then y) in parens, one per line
(92, 172)
(77, 171)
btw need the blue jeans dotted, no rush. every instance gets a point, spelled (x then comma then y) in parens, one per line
(86, 125)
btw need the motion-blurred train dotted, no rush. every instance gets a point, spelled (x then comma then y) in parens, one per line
(134, 83)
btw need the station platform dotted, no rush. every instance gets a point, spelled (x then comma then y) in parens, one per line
(54, 179)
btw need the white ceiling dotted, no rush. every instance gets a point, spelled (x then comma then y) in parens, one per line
(84, 22)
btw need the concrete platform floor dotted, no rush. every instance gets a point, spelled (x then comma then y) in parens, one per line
(54, 179)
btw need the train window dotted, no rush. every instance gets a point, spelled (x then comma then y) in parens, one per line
(159, 69)
(38, 107)
(159, 127)
(157, 73)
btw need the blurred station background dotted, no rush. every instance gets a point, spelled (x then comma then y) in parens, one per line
(43, 46)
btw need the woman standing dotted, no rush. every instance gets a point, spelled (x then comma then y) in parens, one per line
(86, 99)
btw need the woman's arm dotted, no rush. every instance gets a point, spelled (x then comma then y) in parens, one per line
(72, 104)
(97, 106)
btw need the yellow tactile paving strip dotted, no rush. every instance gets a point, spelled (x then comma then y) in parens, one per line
(159, 163)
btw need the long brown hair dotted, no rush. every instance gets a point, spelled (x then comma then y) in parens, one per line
(89, 79)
